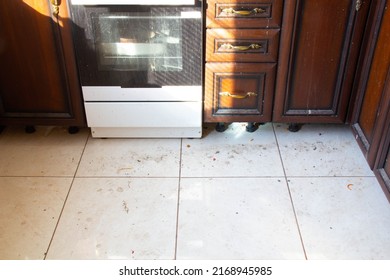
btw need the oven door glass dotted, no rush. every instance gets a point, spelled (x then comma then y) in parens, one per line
(138, 46)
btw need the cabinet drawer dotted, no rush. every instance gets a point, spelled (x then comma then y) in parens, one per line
(239, 92)
(242, 45)
(235, 14)
(143, 114)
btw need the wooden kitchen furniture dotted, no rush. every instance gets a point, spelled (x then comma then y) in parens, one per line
(371, 115)
(320, 47)
(242, 45)
(38, 76)
(313, 46)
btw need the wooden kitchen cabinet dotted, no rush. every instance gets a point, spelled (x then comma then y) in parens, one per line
(314, 46)
(242, 45)
(320, 45)
(371, 115)
(38, 75)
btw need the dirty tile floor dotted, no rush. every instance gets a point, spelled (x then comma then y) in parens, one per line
(271, 194)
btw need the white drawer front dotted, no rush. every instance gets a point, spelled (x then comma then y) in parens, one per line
(144, 114)
(168, 93)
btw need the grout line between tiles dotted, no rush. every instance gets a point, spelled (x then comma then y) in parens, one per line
(289, 193)
(66, 199)
(178, 199)
(175, 177)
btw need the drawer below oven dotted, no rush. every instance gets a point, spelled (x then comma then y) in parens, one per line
(145, 119)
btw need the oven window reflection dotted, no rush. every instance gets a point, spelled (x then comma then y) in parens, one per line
(138, 43)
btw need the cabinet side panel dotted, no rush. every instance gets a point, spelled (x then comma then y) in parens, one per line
(376, 81)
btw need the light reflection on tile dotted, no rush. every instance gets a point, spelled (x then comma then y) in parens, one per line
(237, 219)
(232, 153)
(234, 201)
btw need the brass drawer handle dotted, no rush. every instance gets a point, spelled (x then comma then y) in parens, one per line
(56, 6)
(228, 46)
(238, 96)
(243, 12)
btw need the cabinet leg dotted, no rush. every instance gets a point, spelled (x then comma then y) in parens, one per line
(29, 129)
(1, 128)
(73, 130)
(251, 127)
(220, 127)
(294, 127)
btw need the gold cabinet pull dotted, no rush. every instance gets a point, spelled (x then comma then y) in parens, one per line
(56, 6)
(243, 12)
(238, 96)
(228, 46)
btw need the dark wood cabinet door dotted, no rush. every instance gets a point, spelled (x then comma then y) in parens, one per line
(373, 96)
(320, 47)
(38, 76)
(371, 114)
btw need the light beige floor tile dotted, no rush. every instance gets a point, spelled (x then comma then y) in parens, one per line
(29, 211)
(50, 151)
(118, 218)
(342, 218)
(237, 219)
(130, 157)
(321, 150)
(232, 153)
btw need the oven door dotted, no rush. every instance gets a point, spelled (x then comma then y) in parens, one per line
(138, 46)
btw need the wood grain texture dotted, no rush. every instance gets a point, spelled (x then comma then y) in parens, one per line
(38, 76)
(318, 60)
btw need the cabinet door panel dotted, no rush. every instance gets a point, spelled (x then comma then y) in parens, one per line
(38, 78)
(31, 81)
(373, 97)
(382, 165)
(321, 61)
